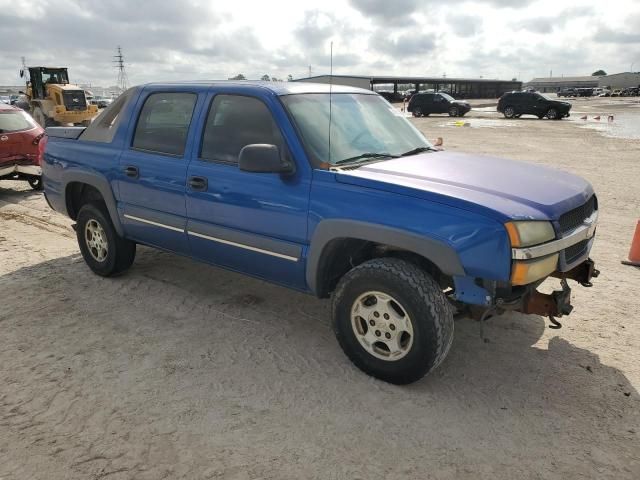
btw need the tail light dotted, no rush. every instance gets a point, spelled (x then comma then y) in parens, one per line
(41, 141)
(36, 140)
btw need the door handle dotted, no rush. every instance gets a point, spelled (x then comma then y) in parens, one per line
(198, 183)
(132, 172)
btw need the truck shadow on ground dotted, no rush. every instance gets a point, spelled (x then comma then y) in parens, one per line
(188, 336)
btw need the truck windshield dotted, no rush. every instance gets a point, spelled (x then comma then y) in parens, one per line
(362, 126)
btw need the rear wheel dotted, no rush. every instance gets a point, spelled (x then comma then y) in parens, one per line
(417, 112)
(35, 183)
(509, 112)
(104, 251)
(392, 320)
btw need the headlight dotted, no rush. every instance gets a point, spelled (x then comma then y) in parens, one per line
(527, 233)
(528, 271)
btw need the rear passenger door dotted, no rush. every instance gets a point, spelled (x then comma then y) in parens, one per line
(153, 170)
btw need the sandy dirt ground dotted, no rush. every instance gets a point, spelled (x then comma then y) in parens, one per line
(178, 370)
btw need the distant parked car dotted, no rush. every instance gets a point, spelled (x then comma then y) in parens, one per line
(617, 92)
(424, 104)
(568, 92)
(585, 92)
(13, 99)
(629, 92)
(515, 104)
(20, 151)
(101, 102)
(5, 99)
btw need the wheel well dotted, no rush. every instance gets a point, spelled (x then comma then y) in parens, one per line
(77, 194)
(342, 254)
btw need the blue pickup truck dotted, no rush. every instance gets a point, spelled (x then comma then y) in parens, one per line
(329, 191)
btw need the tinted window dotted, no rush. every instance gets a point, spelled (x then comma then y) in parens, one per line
(104, 126)
(14, 121)
(164, 122)
(234, 122)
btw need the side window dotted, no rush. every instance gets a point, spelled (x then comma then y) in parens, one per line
(105, 125)
(164, 122)
(438, 98)
(233, 122)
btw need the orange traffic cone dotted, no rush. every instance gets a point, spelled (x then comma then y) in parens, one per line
(634, 253)
(583, 118)
(597, 118)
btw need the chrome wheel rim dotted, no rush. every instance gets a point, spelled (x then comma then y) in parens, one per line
(96, 240)
(509, 112)
(552, 114)
(382, 326)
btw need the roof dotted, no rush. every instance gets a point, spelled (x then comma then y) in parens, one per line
(5, 108)
(278, 88)
(392, 79)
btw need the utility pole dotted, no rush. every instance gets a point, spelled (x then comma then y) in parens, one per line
(309, 71)
(123, 80)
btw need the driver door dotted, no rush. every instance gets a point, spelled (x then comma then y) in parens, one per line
(250, 222)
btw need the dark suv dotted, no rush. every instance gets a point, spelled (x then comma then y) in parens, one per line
(515, 104)
(424, 104)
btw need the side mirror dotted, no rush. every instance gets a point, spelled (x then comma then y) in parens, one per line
(263, 158)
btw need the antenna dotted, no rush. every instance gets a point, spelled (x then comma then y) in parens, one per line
(330, 97)
(123, 80)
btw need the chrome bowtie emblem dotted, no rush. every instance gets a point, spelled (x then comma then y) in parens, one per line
(75, 100)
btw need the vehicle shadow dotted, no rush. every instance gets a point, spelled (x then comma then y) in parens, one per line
(178, 343)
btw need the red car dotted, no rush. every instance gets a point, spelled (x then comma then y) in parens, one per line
(20, 148)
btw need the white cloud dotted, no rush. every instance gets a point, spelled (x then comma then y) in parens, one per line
(197, 39)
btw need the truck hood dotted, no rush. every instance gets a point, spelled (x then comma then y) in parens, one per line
(504, 189)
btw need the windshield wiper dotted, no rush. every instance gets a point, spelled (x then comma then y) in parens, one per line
(415, 151)
(365, 156)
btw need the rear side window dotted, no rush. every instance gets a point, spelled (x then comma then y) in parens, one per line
(164, 122)
(105, 125)
(15, 121)
(233, 122)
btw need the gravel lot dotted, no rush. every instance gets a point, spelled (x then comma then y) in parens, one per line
(180, 370)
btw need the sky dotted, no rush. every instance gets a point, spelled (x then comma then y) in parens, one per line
(195, 40)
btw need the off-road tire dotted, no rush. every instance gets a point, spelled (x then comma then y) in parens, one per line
(120, 252)
(509, 112)
(41, 119)
(430, 312)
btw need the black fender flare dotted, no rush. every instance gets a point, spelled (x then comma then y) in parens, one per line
(100, 183)
(436, 251)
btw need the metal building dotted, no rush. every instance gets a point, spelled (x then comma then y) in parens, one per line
(553, 84)
(621, 80)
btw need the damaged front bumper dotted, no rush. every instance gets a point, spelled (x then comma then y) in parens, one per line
(530, 301)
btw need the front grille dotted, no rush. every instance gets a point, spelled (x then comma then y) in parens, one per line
(74, 100)
(576, 217)
(574, 251)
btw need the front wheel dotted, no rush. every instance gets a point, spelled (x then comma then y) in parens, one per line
(453, 112)
(104, 251)
(392, 320)
(552, 114)
(509, 112)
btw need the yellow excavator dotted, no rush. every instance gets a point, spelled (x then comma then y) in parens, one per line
(53, 101)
